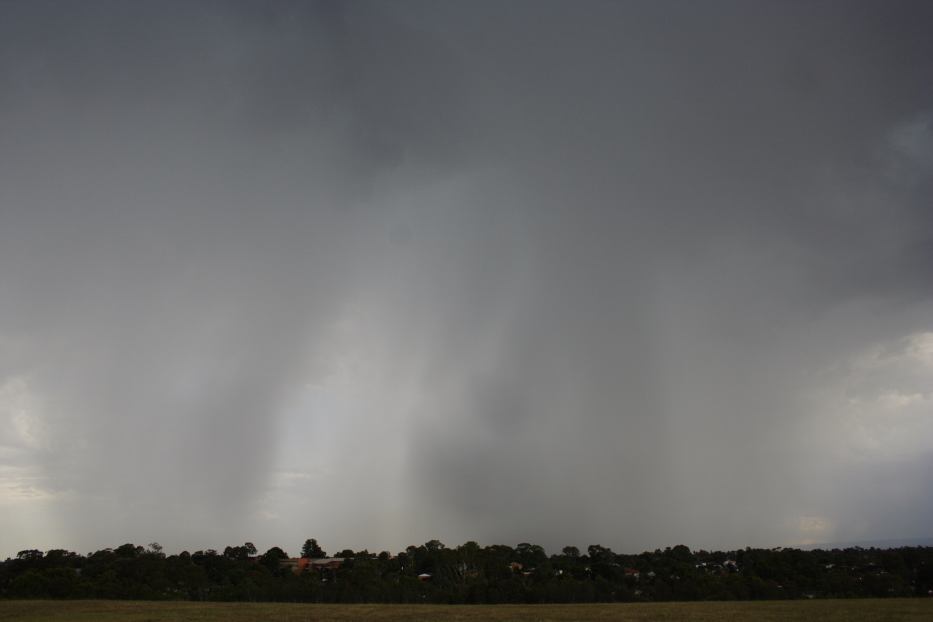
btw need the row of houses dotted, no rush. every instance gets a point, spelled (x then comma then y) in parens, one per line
(299, 565)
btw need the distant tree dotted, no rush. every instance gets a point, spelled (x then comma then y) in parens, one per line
(470, 574)
(59, 557)
(29, 554)
(271, 558)
(469, 552)
(597, 552)
(31, 584)
(129, 550)
(530, 555)
(240, 552)
(312, 549)
(681, 553)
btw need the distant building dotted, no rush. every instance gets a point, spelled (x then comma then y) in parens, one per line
(305, 564)
(328, 563)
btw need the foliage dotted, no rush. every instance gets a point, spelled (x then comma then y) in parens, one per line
(469, 574)
(312, 549)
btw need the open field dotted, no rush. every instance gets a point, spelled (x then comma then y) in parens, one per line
(136, 611)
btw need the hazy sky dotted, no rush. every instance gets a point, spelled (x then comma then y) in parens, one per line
(628, 273)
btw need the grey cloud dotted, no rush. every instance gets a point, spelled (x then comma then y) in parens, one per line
(552, 272)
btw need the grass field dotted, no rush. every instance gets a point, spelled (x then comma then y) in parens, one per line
(134, 611)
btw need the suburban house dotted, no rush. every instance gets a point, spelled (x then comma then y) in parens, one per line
(305, 564)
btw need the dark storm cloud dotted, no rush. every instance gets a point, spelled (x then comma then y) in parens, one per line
(702, 183)
(551, 271)
(174, 227)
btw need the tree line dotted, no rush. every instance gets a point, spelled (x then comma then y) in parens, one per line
(469, 573)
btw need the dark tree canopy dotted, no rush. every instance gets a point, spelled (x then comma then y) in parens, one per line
(469, 573)
(312, 549)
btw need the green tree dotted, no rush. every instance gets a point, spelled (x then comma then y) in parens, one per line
(271, 558)
(312, 549)
(30, 555)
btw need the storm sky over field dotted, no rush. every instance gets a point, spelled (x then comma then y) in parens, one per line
(627, 273)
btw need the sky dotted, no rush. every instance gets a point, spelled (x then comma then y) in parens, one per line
(627, 273)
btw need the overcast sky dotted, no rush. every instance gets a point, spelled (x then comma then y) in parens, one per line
(627, 273)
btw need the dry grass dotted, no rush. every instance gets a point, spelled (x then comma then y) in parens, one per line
(133, 611)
